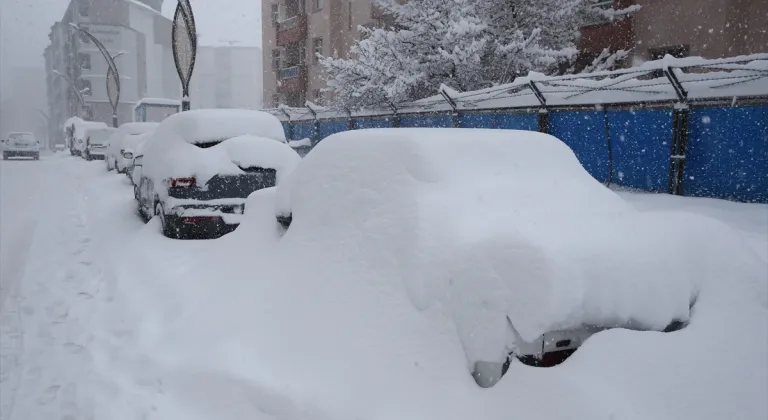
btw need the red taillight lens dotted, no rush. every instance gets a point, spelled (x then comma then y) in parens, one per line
(182, 182)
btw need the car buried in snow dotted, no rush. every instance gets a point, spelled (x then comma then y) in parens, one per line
(123, 144)
(96, 140)
(477, 221)
(198, 167)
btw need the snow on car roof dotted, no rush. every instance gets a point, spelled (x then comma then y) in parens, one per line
(137, 127)
(207, 125)
(500, 218)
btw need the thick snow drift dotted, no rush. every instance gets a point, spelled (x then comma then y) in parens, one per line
(498, 227)
(204, 143)
(118, 322)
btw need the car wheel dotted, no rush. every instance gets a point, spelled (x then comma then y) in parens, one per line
(37, 156)
(168, 229)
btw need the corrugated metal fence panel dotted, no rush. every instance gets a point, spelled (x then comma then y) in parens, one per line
(641, 142)
(373, 123)
(477, 120)
(427, 120)
(519, 121)
(727, 153)
(327, 128)
(303, 131)
(584, 133)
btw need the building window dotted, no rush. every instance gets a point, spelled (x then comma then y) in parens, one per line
(317, 49)
(83, 38)
(83, 7)
(317, 5)
(275, 14)
(85, 87)
(349, 16)
(276, 59)
(84, 60)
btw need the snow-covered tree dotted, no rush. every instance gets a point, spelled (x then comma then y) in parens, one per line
(464, 44)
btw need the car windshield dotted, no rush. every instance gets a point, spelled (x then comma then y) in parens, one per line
(21, 137)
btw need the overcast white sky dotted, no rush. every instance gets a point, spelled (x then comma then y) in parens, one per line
(24, 26)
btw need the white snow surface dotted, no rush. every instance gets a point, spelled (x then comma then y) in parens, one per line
(108, 319)
(479, 225)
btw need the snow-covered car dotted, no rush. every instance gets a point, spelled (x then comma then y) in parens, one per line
(122, 145)
(198, 168)
(96, 141)
(491, 225)
(74, 134)
(21, 145)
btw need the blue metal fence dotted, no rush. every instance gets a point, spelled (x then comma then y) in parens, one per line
(726, 155)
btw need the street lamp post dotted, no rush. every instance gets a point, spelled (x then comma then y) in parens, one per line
(78, 94)
(113, 76)
(184, 42)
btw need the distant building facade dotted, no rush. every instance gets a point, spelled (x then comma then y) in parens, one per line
(682, 28)
(227, 76)
(133, 29)
(294, 31)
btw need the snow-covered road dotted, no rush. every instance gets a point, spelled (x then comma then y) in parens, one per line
(77, 264)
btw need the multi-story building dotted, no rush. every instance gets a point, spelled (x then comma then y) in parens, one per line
(707, 28)
(294, 31)
(227, 76)
(134, 32)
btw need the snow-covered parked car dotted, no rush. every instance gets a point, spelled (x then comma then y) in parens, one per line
(96, 141)
(504, 230)
(74, 134)
(123, 143)
(198, 167)
(21, 145)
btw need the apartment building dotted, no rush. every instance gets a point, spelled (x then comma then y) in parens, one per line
(707, 28)
(227, 76)
(134, 32)
(294, 31)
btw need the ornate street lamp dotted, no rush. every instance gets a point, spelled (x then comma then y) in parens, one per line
(113, 76)
(184, 41)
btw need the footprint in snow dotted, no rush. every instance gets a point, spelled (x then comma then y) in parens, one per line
(35, 373)
(74, 348)
(58, 311)
(49, 394)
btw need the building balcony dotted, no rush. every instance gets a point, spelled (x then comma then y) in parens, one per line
(293, 29)
(292, 79)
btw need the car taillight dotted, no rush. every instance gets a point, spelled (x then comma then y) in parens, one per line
(182, 182)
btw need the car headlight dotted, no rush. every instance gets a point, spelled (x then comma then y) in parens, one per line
(127, 155)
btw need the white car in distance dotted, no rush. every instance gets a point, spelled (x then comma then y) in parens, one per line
(21, 145)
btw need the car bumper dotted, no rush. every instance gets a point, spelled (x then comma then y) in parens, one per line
(205, 219)
(201, 227)
(21, 153)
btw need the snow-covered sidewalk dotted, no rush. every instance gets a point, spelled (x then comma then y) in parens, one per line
(100, 289)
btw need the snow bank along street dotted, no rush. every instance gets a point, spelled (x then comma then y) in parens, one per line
(344, 313)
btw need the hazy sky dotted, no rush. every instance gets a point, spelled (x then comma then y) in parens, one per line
(24, 26)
